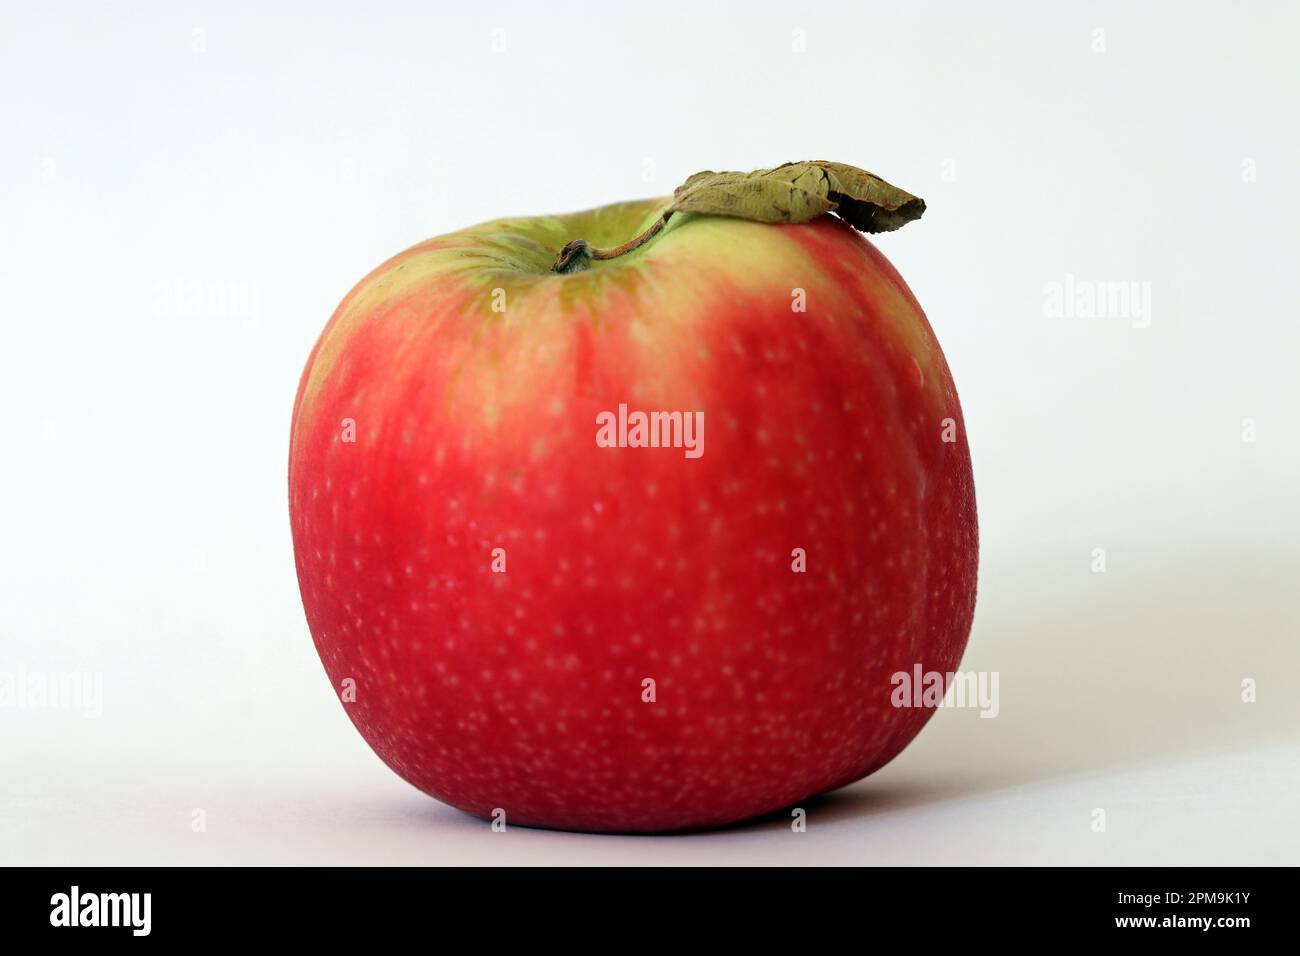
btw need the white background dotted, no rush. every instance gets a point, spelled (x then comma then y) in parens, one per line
(188, 189)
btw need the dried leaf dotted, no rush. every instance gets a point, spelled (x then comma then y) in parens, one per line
(799, 192)
(792, 193)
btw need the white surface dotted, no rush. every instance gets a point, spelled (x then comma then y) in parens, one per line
(176, 224)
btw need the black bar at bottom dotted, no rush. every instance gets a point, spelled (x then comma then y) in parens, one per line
(623, 905)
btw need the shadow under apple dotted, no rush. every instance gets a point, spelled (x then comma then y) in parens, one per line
(1106, 670)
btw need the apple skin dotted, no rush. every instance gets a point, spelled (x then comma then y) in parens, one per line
(475, 430)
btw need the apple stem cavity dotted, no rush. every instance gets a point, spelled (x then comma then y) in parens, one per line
(577, 254)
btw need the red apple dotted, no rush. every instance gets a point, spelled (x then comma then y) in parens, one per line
(632, 639)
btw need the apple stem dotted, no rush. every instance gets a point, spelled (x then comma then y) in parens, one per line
(577, 255)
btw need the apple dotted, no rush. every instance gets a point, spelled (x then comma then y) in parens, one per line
(639, 544)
